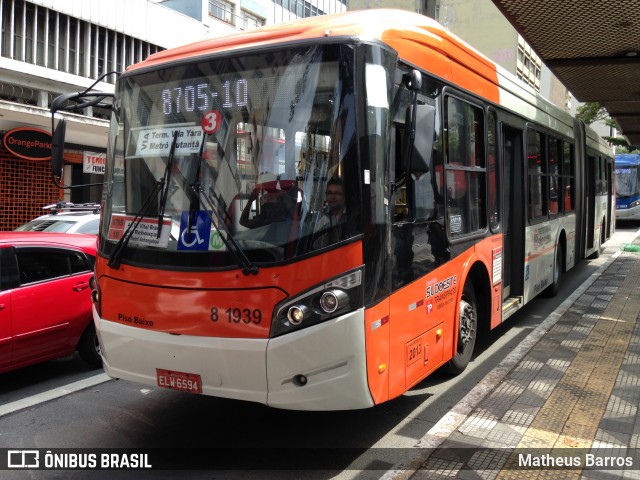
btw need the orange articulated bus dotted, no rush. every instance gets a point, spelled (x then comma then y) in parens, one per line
(319, 214)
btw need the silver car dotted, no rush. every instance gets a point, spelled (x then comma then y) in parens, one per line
(66, 218)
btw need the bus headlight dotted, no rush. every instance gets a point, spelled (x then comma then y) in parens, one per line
(328, 300)
(634, 204)
(295, 315)
(333, 300)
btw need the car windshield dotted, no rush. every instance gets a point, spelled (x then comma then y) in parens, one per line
(252, 149)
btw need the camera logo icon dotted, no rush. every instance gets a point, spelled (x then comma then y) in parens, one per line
(23, 459)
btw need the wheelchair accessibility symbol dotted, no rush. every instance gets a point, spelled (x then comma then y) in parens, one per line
(194, 235)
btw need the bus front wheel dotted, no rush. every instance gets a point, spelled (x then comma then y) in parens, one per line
(467, 331)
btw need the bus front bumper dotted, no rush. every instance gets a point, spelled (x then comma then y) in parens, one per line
(322, 367)
(632, 213)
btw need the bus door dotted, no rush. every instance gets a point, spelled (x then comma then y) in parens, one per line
(610, 205)
(592, 165)
(513, 208)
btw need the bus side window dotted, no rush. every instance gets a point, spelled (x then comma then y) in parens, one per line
(465, 168)
(567, 171)
(537, 173)
(417, 197)
(494, 174)
(553, 156)
(419, 241)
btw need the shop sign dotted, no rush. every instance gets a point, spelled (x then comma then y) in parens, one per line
(28, 143)
(93, 162)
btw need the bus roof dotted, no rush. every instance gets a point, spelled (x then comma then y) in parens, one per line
(627, 159)
(417, 38)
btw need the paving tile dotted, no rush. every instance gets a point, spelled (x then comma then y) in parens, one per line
(522, 415)
(506, 435)
(478, 425)
(619, 407)
(611, 437)
(577, 390)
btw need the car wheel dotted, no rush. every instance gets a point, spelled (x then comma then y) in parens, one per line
(89, 347)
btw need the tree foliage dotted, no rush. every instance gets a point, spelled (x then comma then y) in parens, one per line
(591, 112)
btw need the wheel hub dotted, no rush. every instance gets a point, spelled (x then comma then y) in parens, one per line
(467, 322)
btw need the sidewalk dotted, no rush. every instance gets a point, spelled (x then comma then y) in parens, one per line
(566, 407)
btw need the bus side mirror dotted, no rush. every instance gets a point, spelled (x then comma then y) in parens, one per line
(413, 80)
(421, 153)
(57, 149)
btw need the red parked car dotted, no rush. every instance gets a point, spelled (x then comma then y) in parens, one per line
(45, 299)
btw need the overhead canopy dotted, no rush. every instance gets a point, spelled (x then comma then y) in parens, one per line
(592, 46)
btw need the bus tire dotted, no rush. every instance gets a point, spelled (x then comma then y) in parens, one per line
(467, 331)
(89, 348)
(596, 254)
(554, 288)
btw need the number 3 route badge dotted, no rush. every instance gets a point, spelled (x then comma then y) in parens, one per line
(211, 121)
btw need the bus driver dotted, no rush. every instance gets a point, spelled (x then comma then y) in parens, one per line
(330, 228)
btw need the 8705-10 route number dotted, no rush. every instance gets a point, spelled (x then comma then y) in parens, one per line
(236, 315)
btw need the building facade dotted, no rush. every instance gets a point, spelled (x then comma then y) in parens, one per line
(52, 47)
(482, 25)
(248, 14)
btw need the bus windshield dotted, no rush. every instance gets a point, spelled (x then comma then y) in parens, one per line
(223, 154)
(627, 182)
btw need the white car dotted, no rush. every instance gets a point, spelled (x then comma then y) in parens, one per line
(66, 218)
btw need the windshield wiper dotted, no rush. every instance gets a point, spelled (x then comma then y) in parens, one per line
(166, 183)
(195, 190)
(248, 268)
(115, 257)
(194, 198)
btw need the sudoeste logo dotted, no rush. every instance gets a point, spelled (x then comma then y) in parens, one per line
(23, 459)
